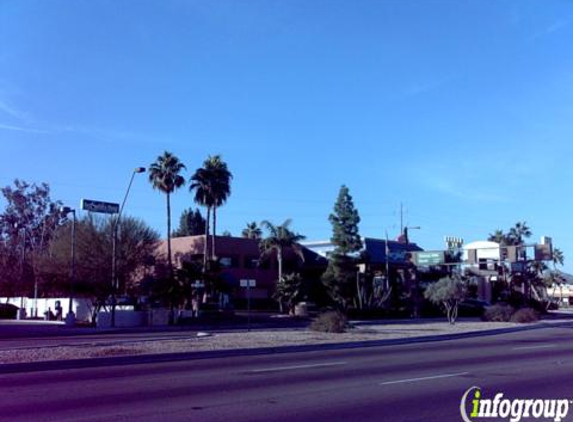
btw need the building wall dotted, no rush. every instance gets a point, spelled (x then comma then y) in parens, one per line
(237, 257)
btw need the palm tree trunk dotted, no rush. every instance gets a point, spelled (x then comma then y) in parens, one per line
(171, 281)
(280, 267)
(169, 236)
(205, 245)
(214, 231)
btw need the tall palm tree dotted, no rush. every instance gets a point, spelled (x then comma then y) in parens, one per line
(220, 180)
(164, 175)
(252, 231)
(200, 184)
(280, 238)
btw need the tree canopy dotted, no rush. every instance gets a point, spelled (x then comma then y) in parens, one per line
(27, 225)
(165, 176)
(448, 292)
(191, 223)
(136, 249)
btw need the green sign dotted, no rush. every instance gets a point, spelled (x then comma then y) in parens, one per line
(429, 258)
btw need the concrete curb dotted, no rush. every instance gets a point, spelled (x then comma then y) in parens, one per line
(12, 368)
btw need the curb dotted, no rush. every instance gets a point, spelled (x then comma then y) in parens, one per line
(12, 368)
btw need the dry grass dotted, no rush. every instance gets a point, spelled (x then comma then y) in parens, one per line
(239, 340)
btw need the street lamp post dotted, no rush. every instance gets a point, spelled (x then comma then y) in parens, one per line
(71, 316)
(19, 228)
(114, 281)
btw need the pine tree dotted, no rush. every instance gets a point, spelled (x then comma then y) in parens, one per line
(344, 222)
(340, 276)
(191, 223)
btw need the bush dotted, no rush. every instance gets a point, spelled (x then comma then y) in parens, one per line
(498, 313)
(525, 315)
(330, 322)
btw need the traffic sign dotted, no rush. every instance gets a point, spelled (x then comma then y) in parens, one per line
(100, 206)
(430, 258)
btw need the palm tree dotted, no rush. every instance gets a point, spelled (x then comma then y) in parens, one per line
(280, 238)
(164, 175)
(290, 290)
(200, 184)
(252, 231)
(212, 186)
(220, 180)
(518, 233)
(558, 259)
(498, 237)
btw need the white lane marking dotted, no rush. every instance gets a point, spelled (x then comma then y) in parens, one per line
(294, 367)
(544, 346)
(432, 377)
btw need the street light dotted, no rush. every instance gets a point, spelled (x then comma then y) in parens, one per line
(114, 283)
(71, 316)
(22, 310)
(406, 232)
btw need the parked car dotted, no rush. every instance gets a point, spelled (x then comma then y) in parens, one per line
(473, 307)
(8, 311)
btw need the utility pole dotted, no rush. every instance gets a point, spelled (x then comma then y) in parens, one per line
(401, 218)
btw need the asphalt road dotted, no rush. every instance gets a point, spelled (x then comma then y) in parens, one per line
(417, 382)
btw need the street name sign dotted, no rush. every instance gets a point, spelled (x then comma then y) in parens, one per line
(100, 206)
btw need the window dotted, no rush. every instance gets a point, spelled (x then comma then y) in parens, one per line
(251, 262)
(228, 261)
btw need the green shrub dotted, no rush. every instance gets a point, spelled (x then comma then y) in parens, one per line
(330, 322)
(525, 315)
(498, 313)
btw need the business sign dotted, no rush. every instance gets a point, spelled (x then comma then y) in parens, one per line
(429, 258)
(100, 206)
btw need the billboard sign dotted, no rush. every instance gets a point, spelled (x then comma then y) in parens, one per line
(429, 258)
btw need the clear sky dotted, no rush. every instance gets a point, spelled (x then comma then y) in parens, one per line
(461, 110)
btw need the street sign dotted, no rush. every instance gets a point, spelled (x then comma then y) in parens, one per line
(430, 258)
(100, 206)
(248, 283)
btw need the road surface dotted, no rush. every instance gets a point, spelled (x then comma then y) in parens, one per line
(416, 382)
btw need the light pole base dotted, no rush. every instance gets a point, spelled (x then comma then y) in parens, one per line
(21, 314)
(70, 319)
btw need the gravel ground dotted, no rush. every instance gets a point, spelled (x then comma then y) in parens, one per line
(240, 340)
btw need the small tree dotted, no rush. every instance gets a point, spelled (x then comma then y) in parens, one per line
(449, 292)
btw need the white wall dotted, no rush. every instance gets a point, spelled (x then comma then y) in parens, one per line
(485, 250)
(81, 307)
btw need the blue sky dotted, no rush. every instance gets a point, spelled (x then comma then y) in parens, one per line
(461, 110)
